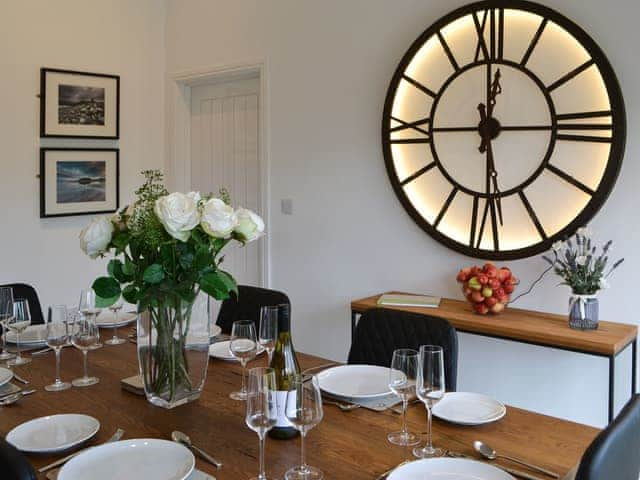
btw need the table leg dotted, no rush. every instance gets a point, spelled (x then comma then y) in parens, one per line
(612, 375)
(634, 365)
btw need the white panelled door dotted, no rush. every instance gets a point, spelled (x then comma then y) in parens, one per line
(225, 153)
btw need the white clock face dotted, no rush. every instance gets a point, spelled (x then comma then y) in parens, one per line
(503, 129)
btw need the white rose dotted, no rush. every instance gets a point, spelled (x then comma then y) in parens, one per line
(581, 260)
(95, 237)
(218, 218)
(250, 225)
(178, 213)
(557, 246)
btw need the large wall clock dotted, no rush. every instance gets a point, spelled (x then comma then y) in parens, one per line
(503, 129)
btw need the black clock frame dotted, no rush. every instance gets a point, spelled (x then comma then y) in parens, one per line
(618, 132)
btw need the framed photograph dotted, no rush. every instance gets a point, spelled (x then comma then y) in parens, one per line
(79, 104)
(78, 181)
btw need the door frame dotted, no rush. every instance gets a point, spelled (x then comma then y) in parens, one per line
(178, 145)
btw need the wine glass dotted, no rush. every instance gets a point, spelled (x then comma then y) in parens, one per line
(430, 389)
(402, 382)
(88, 308)
(84, 336)
(57, 337)
(262, 408)
(18, 323)
(115, 340)
(243, 346)
(6, 312)
(304, 410)
(269, 329)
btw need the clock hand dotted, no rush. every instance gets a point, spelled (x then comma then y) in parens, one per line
(494, 179)
(496, 89)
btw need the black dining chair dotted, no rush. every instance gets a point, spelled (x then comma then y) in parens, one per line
(381, 331)
(247, 305)
(23, 290)
(13, 464)
(615, 452)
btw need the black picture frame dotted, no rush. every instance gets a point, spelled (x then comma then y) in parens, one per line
(49, 211)
(47, 130)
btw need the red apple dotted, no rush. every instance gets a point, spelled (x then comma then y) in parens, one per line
(498, 292)
(483, 279)
(477, 296)
(503, 274)
(494, 283)
(497, 308)
(490, 302)
(490, 270)
(481, 308)
(508, 288)
(463, 275)
(475, 270)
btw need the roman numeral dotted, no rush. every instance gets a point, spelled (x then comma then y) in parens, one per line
(534, 42)
(582, 115)
(420, 172)
(584, 126)
(572, 74)
(413, 125)
(532, 214)
(410, 140)
(445, 207)
(583, 138)
(474, 221)
(500, 34)
(447, 50)
(482, 46)
(489, 207)
(569, 179)
(419, 86)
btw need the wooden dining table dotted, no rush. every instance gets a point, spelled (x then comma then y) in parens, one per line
(345, 445)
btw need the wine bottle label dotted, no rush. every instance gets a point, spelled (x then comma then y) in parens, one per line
(281, 400)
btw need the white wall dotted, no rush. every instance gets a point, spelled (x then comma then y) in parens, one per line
(117, 36)
(329, 65)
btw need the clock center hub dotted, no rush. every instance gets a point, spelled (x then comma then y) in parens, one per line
(489, 128)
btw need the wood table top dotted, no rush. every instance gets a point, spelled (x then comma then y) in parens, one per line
(345, 445)
(522, 325)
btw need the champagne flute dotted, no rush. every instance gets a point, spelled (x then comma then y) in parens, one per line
(304, 410)
(87, 307)
(57, 337)
(402, 382)
(243, 346)
(84, 336)
(430, 389)
(18, 323)
(115, 340)
(6, 312)
(262, 408)
(269, 329)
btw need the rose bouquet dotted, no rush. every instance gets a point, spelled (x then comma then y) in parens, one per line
(167, 249)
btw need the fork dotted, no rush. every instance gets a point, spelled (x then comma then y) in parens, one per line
(345, 407)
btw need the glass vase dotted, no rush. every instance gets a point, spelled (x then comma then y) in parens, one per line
(173, 349)
(583, 312)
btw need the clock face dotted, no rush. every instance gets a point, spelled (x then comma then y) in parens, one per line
(503, 129)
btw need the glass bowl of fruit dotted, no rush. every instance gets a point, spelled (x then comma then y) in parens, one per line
(488, 288)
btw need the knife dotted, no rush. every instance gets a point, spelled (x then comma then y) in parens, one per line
(512, 471)
(114, 438)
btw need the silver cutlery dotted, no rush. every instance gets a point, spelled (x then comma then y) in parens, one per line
(512, 471)
(14, 397)
(384, 475)
(19, 378)
(320, 367)
(345, 407)
(114, 438)
(489, 453)
(184, 439)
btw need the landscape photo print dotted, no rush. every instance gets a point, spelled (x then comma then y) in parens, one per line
(80, 105)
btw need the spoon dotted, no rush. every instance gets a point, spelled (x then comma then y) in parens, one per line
(184, 439)
(490, 454)
(14, 397)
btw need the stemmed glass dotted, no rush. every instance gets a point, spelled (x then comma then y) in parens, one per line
(430, 389)
(6, 312)
(115, 340)
(84, 336)
(269, 329)
(304, 410)
(57, 337)
(243, 346)
(18, 323)
(89, 310)
(402, 382)
(262, 408)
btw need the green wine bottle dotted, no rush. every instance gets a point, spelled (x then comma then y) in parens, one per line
(285, 364)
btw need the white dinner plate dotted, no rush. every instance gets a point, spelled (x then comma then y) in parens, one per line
(355, 381)
(5, 376)
(466, 408)
(220, 350)
(106, 319)
(54, 433)
(144, 458)
(448, 469)
(34, 335)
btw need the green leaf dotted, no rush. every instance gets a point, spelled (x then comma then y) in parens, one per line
(106, 302)
(129, 268)
(106, 287)
(120, 241)
(115, 269)
(215, 286)
(153, 274)
(229, 281)
(202, 259)
(130, 294)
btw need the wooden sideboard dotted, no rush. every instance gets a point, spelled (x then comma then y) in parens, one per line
(526, 326)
